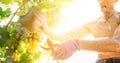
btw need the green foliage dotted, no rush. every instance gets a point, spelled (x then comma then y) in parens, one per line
(14, 48)
(10, 1)
(19, 1)
(4, 36)
(6, 1)
(8, 60)
(4, 13)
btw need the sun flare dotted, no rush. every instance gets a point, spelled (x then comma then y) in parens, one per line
(77, 13)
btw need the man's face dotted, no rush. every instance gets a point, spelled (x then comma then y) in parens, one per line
(106, 5)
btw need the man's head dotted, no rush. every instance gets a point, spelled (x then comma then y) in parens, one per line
(107, 7)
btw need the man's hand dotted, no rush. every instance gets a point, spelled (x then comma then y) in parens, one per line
(66, 49)
(27, 23)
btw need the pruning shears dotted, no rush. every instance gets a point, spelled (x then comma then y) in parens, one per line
(50, 44)
(51, 47)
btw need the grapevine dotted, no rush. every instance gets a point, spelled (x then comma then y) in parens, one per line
(18, 43)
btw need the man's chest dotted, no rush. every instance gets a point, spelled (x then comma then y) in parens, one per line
(103, 29)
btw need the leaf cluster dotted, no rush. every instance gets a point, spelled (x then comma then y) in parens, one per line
(5, 13)
(9, 1)
(17, 49)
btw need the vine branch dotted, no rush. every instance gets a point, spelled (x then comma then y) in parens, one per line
(14, 15)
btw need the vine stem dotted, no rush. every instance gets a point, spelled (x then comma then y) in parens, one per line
(14, 15)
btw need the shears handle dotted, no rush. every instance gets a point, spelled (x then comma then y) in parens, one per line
(51, 47)
(50, 44)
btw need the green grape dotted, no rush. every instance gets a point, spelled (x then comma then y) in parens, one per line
(21, 47)
(8, 60)
(17, 35)
(2, 52)
(1, 55)
(15, 56)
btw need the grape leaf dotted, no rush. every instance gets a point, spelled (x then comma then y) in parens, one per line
(8, 60)
(18, 1)
(6, 1)
(1, 13)
(4, 36)
(5, 13)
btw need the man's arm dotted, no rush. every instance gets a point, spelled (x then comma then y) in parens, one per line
(74, 33)
(68, 47)
(61, 36)
(100, 45)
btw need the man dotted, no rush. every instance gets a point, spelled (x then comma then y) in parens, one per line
(106, 29)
